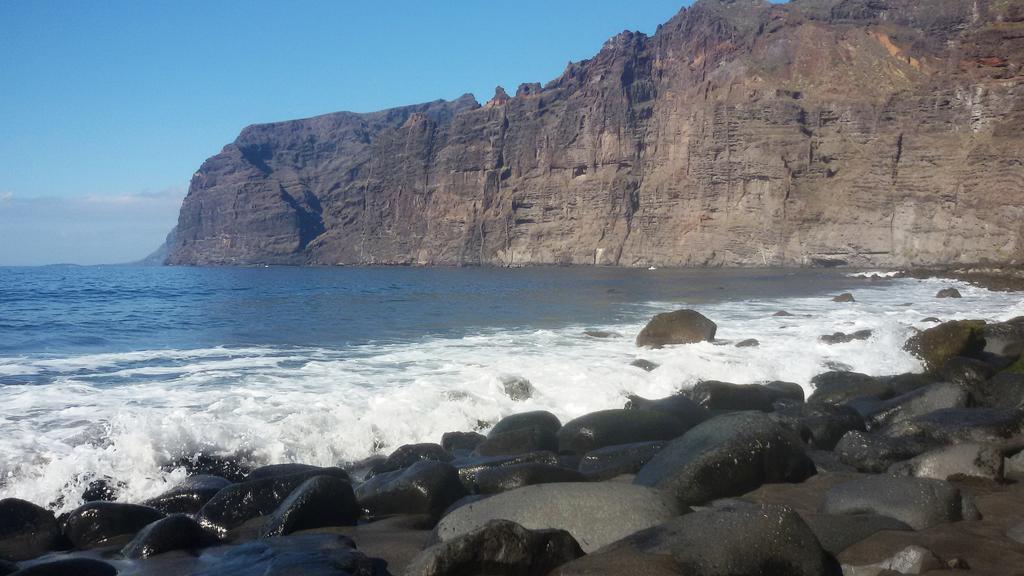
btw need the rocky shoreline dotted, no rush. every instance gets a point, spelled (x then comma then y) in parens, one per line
(905, 474)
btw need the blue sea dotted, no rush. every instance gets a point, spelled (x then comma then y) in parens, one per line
(116, 372)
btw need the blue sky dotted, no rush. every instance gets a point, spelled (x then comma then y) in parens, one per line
(108, 108)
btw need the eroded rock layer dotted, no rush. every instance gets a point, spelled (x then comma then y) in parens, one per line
(865, 132)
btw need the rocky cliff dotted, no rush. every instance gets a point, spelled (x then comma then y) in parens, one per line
(865, 132)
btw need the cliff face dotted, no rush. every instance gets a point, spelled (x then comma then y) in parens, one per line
(866, 132)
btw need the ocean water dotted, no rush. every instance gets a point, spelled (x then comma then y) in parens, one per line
(118, 371)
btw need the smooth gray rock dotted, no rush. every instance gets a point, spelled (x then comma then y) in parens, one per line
(317, 502)
(952, 462)
(726, 456)
(910, 560)
(468, 468)
(915, 403)
(612, 427)
(596, 514)
(505, 478)
(426, 487)
(875, 453)
(498, 547)
(611, 461)
(918, 502)
(995, 426)
(175, 532)
(838, 532)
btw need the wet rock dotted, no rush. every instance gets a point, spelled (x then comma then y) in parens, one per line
(611, 461)
(69, 567)
(409, 454)
(645, 365)
(727, 456)
(969, 373)
(823, 424)
(842, 387)
(845, 297)
(748, 343)
(244, 501)
(826, 461)
(910, 560)
(932, 320)
(679, 327)
(102, 490)
(1004, 390)
(519, 441)
(277, 470)
(517, 388)
(727, 397)
(505, 478)
(918, 502)
(954, 462)
(97, 522)
(903, 383)
(499, 547)
(541, 419)
(461, 442)
(913, 404)
(763, 540)
(874, 453)
(469, 468)
(994, 426)
(596, 514)
(935, 346)
(604, 334)
(781, 314)
(26, 530)
(678, 405)
(175, 532)
(948, 293)
(232, 468)
(838, 532)
(611, 427)
(1005, 338)
(320, 501)
(843, 338)
(426, 487)
(188, 496)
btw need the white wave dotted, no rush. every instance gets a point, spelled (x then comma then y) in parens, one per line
(874, 273)
(126, 415)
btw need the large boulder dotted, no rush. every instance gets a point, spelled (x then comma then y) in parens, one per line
(611, 461)
(727, 456)
(277, 470)
(518, 441)
(821, 425)
(1005, 338)
(757, 540)
(980, 425)
(596, 514)
(498, 548)
(841, 387)
(918, 502)
(461, 443)
(837, 532)
(96, 523)
(915, 403)
(540, 419)
(505, 478)
(426, 487)
(727, 397)
(678, 405)
(935, 346)
(1004, 390)
(954, 462)
(875, 453)
(468, 468)
(238, 503)
(317, 502)
(611, 427)
(409, 454)
(188, 496)
(175, 532)
(26, 530)
(679, 327)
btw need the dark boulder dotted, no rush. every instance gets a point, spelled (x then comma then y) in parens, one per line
(468, 468)
(844, 338)
(517, 388)
(97, 522)
(409, 454)
(541, 419)
(26, 530)
(233, 468)
(102, 490)
(320, 501)
(498, 548)
(727, 456)
(461, 443)
(837, 532)
(611, 427)
(995, 426)
(1004, 390)
(844, 297)
(426, 487)
(781, 314)
(679, 327)
(954, 462)
(69, 567)
(244, 501)
(505, 478)
(611, 461)
(874, 453)
(277, 470)
(748, 343)
(1005, 338)
(188, 496)
(969, 373)
(677, 405)
(935, 346)
(175, 532)
(842, 387)
(913, 404)
(918, 502)
(821, 425)
(518, 441)
(645, 365)
(727, 397)
(948, 293)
